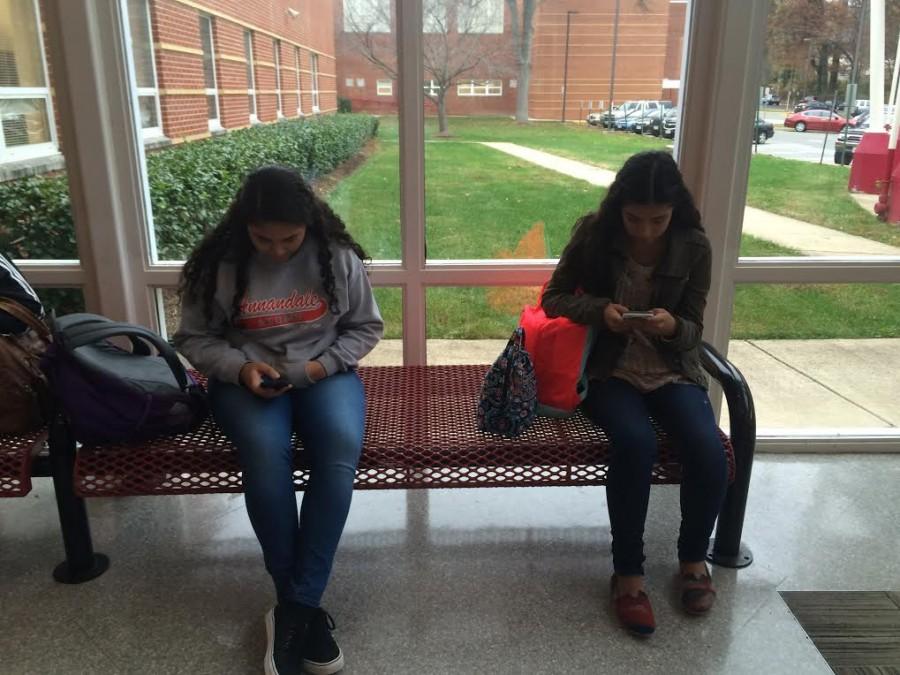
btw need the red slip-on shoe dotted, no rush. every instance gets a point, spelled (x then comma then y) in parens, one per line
(633, 611)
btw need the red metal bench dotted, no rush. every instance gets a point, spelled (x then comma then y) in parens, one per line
(18, 457)
(420, 433)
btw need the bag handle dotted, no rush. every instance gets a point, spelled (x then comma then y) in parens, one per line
(78, 324)
(27, 317)
(113, 329)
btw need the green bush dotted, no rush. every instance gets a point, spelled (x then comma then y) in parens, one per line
(344, 105)
(191, 185)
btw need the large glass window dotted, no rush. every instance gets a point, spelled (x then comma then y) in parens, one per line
(144, 66)
(25, 106)
(299, 87)
(209, 72)
(251, 74)
(276, 52)
(314, 67)
(367, 16)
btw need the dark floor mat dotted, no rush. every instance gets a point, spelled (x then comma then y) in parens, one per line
(858, 633)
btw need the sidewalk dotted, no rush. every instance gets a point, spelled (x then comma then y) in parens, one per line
(813, 384)
(807, 238)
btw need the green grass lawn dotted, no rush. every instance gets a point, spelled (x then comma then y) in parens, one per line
(480, 203)
(810, 192)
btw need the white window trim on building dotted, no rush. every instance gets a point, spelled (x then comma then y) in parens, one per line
(276, 53)
(480, 88)
(156, 132)
(297, 62)
(314, 67)
(34, 150)
(95, 102)
(384, 88)
(431, 88)
(251, 73)
(206, 23)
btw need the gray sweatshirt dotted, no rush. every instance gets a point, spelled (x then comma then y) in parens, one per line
(284, 319)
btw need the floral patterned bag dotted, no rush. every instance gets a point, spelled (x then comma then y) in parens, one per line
(509, 393)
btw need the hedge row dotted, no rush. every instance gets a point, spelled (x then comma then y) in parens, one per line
(191, 185)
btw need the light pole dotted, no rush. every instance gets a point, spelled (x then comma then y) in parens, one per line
(566, 64)
(612, 68)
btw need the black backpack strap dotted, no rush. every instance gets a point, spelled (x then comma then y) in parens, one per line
(72, 326)
(103, 330)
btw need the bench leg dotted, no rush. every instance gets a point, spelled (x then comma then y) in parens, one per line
(81, 563)
(726, 549)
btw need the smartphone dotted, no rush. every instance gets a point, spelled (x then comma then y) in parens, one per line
(269, 383)
(637, 315)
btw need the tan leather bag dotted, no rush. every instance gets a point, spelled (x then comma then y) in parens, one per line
(23, 387)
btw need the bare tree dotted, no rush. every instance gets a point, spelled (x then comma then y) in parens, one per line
(523, 36)
(460, 37)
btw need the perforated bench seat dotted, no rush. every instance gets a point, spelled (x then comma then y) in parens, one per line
(420, 433)
(17, 453)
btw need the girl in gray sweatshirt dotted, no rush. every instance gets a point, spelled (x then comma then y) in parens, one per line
(277, 310)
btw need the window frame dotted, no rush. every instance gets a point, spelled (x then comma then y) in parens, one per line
(150, 133)
(251, 75)
(279, 101)
(711, 151)
(479, 88)
(17, 153)
(214, 123)
(297, 67)
(314, 69)
(380, 85)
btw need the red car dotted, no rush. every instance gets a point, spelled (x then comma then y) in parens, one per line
(815, 120)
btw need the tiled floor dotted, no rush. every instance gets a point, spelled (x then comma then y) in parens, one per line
(456, 581)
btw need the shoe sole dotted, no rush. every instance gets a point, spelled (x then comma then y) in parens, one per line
(269, 663)
(333, 666)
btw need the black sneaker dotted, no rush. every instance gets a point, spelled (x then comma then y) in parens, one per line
(286, 629)
(321, 654)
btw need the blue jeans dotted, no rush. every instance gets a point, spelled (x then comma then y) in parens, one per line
(685, 413)
(328, 417)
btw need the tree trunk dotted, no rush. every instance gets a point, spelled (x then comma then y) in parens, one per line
(443, 126)
(522, 92)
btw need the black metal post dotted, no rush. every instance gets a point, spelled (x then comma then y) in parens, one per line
(726, 549)
(81, 563)
(565, 90)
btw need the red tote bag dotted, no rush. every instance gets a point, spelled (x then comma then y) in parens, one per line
(559, 348)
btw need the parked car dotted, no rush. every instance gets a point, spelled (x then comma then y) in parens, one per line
(812, 105)
(595, 119)
(762, 130)
(650, 124)
(623, 117)
(669, 123)
(815, 120)
(770, 99)
(846, 142)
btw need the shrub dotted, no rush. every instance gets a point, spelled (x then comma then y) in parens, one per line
(344, 105)
(191, 185)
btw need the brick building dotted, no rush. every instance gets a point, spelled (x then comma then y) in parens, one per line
(648, 58)
(201, 67)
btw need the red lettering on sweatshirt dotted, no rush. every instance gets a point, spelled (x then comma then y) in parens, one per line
(284, 311)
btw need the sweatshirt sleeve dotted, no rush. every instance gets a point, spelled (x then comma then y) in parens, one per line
(561, 298)
(359, 329)
(204, 345)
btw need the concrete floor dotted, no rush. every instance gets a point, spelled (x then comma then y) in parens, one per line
(456, 581)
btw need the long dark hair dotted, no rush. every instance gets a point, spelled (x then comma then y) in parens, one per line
(645, 178)
(272, 193)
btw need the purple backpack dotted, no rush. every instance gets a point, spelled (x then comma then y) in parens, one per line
(114, 395)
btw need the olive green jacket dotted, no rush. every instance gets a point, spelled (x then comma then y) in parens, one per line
(680, 285)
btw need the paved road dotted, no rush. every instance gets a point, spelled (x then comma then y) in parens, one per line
(789, 144)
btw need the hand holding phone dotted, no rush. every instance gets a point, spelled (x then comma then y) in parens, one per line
(637, 315)
(267, 382)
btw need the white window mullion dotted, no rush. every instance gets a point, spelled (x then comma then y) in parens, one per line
(279, 104)
(299, 81)
(412, 177)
